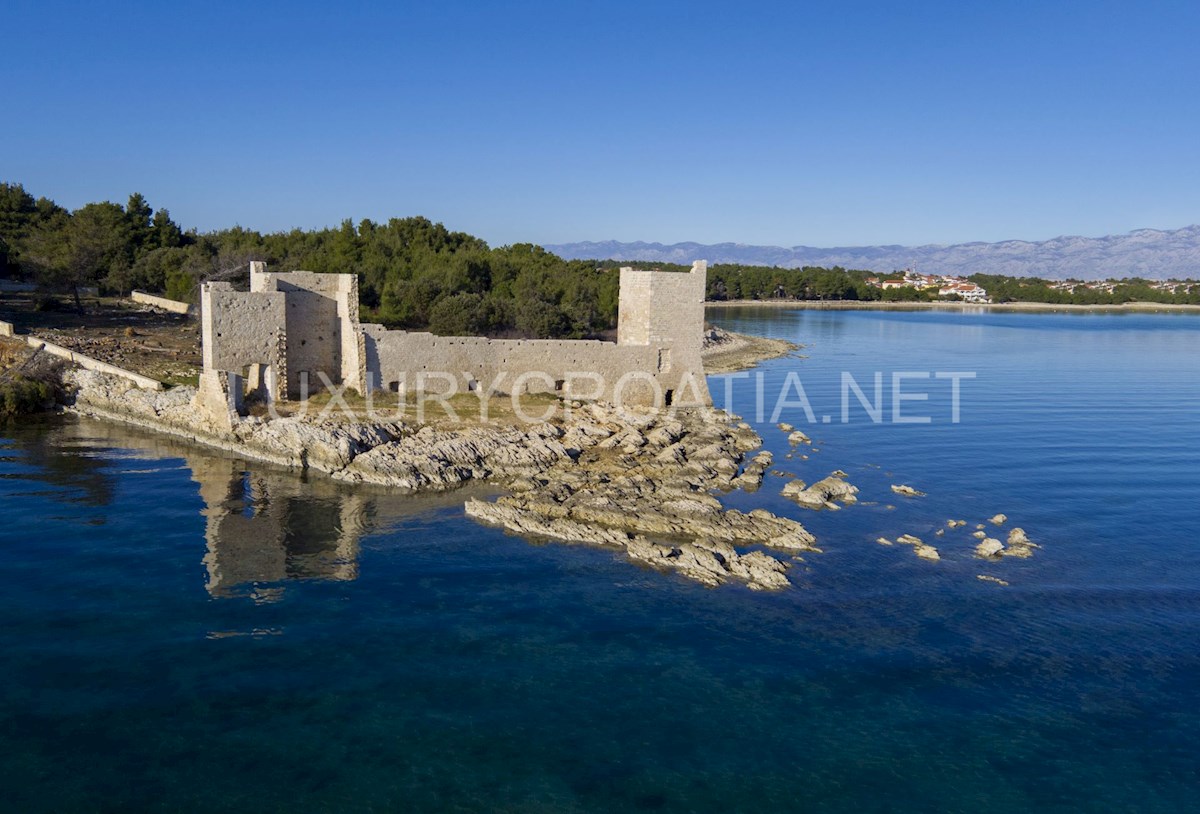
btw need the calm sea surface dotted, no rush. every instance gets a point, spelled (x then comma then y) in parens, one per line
(185, 632)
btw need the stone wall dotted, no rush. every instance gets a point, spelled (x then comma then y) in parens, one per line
(88, 363)
(241, 329)
(656, 357)
(299, 325)
(321, 326)
(174, 306)
(406, 360)
(6, 329)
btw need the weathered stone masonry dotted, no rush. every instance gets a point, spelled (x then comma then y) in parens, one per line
(300, 331)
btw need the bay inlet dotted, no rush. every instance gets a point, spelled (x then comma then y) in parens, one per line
(187, 631)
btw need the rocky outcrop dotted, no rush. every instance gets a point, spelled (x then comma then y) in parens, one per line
(824, 494)
(1019, 544)
(655, 504)
(927, 552)
(989, 548)
(752, 474)
(920, 548)
(907, 491)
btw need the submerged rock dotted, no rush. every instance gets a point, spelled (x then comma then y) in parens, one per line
(986, 578)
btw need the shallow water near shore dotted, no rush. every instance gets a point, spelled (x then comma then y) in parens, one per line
(184, 631)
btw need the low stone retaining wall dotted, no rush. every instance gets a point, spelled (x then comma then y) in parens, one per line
(88, 363)
(174, 306)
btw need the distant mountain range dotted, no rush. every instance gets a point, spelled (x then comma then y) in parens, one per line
(1148, 253)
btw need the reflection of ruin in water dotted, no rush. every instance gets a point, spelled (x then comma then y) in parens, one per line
(265, 525)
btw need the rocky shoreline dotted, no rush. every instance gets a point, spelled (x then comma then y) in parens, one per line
(643, 482)
(726, 352)
(639, 481)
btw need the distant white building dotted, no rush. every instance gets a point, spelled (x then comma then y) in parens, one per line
(966, 291)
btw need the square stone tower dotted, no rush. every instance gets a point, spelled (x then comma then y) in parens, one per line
(662, 307)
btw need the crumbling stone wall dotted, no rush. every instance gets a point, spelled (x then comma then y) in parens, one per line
(173, 306)
(298, 325)
(322, 326)
(656, 357)
(584, 369)
(240, 329)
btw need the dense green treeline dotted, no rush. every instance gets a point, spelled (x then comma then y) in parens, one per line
(412, 273)
(728, 281)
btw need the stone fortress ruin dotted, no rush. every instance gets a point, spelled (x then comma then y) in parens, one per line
(293, 334)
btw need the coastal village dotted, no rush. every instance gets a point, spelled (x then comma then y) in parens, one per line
(1109, 286)
(960, 289)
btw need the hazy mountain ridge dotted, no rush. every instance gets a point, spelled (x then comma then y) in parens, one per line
(1148, 253)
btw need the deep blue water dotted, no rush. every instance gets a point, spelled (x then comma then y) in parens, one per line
(185, 632)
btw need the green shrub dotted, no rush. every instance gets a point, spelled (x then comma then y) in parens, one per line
(21, 396)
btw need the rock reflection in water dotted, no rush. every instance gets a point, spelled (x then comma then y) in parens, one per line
(264, 526)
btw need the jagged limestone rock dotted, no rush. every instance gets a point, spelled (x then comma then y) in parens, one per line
(1019, 544)
(990, 548)
(824, 494)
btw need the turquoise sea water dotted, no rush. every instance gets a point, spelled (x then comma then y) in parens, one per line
(185, 632)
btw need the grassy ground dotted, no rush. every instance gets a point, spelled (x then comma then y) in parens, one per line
(456, 411)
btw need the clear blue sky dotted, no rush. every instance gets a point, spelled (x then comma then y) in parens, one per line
(828, 123)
